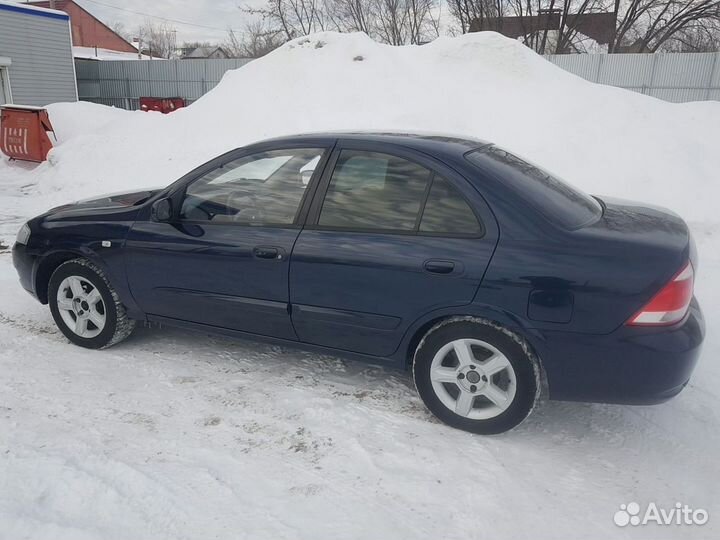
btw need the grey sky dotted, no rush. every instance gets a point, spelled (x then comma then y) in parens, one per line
(195, 20)
(216, 15)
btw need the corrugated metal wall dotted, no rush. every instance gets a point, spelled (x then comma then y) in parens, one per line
(39, 46)
(122, 83)
(673, 77)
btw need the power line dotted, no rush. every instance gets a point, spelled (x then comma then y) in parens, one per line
(176, 21)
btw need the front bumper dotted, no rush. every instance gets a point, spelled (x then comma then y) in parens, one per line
(25, 265)
(632, 365)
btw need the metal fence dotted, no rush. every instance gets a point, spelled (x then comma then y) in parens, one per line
(672, 77)
(677, 77)
(121, 83)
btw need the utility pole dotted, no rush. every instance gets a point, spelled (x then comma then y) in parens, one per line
(172, 53)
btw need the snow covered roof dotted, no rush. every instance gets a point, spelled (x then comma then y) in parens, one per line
(96, 53)
(33, 10)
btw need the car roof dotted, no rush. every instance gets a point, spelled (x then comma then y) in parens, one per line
(427, 142)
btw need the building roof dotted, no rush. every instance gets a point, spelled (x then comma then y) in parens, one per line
(205, 52)
(598, 26)
(61, 7)
(33, 10)
(59, 4)
(98, 53)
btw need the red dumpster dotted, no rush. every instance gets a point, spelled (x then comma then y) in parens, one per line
(163, 105)
(23, 132)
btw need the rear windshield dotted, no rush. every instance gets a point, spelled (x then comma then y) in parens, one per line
(560, 203)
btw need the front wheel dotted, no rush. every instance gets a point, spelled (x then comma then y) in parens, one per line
(86, 308)
(476, 376)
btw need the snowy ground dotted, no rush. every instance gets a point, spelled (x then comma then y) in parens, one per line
(173, 435)
(177, 435)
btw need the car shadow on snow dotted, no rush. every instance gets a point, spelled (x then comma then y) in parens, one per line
(330, 376)
(375, 386)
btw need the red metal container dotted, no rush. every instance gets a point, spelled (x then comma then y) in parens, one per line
(163, 105)
(23, 132)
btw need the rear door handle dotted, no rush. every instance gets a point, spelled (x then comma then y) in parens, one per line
(263, 252)
(439, 267)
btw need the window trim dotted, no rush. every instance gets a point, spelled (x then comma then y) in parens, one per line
(315, 209)
(303, 206)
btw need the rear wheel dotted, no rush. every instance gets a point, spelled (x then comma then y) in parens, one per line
(476, 376)
(86, 308)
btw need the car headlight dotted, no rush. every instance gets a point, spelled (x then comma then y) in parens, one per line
(23, 234)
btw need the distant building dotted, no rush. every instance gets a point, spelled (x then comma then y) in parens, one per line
(598, 26)
(206, 52)
(35, 71)
(87, 31)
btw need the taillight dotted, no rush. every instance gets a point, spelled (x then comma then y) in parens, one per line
(670, 304)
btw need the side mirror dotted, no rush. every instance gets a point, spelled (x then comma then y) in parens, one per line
(161, 210)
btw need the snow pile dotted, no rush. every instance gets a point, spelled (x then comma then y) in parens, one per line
(71, 121)
(603, 139)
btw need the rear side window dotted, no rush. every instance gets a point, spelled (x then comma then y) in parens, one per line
(374, 191)
(447, 212)
(559, 202)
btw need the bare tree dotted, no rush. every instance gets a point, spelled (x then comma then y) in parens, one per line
(466, 12)
(642, 25)
(568, 36)
(396, 22)
(158, 39)
(553, 26)
(120, 30)
(294, 18)
(256, 40)
(648, 25)
(195, 44)
(423, 20)
(391, 23)
(351, 15)
(703, 36)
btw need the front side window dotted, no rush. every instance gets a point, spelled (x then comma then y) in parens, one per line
(374, 191)
(262, 189)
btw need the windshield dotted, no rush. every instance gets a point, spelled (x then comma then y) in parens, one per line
(559, 202)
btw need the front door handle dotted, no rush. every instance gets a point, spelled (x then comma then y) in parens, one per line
(439, 267)
(263, 252)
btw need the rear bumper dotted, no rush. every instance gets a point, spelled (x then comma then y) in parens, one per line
(25, 265)
(632, 365)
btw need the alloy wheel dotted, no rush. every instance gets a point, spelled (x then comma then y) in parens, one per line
(473, 379)
(81, 306)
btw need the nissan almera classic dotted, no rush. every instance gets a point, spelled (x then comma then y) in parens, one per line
(487, 276)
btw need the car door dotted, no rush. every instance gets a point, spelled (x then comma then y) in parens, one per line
(392, 235)
(222, 259)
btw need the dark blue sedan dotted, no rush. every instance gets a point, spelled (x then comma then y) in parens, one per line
(487, 276)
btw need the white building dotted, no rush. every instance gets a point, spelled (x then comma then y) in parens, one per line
(36, 56)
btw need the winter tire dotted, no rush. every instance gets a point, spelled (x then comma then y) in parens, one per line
(476, 376)
(86, 308)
